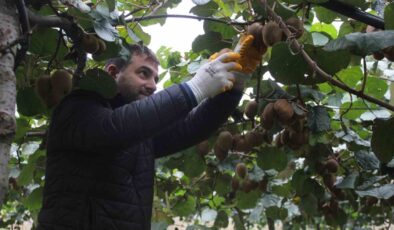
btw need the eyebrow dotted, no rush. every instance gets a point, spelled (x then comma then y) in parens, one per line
(150, 72)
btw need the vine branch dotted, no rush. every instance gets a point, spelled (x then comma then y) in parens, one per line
(190, 17)
(316, 68)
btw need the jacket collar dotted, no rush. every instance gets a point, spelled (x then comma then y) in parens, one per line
(117, 101)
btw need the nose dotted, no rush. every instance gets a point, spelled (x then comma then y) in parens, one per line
(151, 86)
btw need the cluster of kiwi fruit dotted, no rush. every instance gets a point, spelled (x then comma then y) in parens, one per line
(328, 169)
(387, 52)
(92, 44)
(292, 117)
(270, 33)
(52, 88)
(241, 180)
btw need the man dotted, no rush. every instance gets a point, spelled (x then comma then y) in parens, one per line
(100, 153)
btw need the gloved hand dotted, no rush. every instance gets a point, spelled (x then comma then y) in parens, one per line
(215, 76)
(250, 55)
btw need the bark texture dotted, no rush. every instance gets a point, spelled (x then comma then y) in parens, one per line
(9, 32)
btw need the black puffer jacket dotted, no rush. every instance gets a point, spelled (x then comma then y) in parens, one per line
(100, 159)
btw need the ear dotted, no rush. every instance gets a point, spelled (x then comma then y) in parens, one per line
(112, 70)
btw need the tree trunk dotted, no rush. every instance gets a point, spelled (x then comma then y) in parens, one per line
(9, 32)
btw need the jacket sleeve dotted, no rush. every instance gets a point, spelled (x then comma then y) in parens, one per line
(88, 124)
(201, 122)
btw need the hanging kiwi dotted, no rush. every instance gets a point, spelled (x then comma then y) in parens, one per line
(241, 170)
(102, 46)
(256, 29)
(223, 144)
(61, 83)
(203, 148)
(378, 55)
(235, 184)
(254, 138)
(296, 26)
(90, 43)
(43, 89)
(272, 33)
(284, 111)
(240, 144)
(251, 109)
(331, 165)
(267, 116)
(389, 53)
(248, 185)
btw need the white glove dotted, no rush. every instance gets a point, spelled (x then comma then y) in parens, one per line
(215, 76)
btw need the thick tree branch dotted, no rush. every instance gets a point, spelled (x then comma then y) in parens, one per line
(190, 17)
(315, 67)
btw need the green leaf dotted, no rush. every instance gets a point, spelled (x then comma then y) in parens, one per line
(276, 213)
(389, 16)
(272, 158)
(383, 192)
(324, 15)
(320, 39)
(189, 162)
(99, 81)
(111, 51)
(223, 184)
(247, 200)
(283, 190)
(205, 10)
(158, 225)
(355, 112)
(351, 76)
(309, 204)
(26, 175)
(185, 206)
(226, 31)
(200, 2)
(221, 220)
(288, 68)
(349, 181)
(318, 119)
(326, 28)
(211, 41)
(297, 181)
(382, 141)
(374, 87)
(28, 102)
(111, 5)
(367, 160)
(34, 200)
(44, 41)
(348, 27)
(370, 181)
(105, 30)
(362, 44)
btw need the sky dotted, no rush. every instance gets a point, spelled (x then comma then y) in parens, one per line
(177, 33)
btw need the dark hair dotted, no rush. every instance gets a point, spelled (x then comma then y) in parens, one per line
(134, 49)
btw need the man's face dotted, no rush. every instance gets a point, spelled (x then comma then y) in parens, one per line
(138, 80)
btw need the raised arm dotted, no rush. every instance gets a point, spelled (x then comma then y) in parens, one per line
(198, 124)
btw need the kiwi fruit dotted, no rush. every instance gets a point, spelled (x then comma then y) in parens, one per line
(251, 109)
(267, 116)
(248, 185)
(263, 185)
(219, 152)
(389, 53)
(331, 165)
(61, 84)
(241, 170)
(284, 110)
(225, 140)
(329, 180)
(256, 29)
(378, 55)
(43, 89)
(272, 33)
(235, 184)
(203, 148)
(102, 46)
(90, 43)
(254, 138)
(240, 144)
(296, 26)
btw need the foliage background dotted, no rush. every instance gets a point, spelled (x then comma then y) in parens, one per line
(197, 189)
